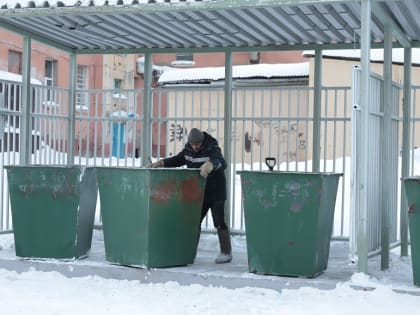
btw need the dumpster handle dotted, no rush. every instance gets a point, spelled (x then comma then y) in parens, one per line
(270, 162)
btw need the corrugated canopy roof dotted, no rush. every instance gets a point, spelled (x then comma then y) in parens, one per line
(134, 26)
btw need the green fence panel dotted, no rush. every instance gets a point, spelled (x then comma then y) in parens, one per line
(288, 221)
(412, 193)
(53, 210)
(150, 217)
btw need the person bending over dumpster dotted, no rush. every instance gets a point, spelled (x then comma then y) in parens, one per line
(203, 151)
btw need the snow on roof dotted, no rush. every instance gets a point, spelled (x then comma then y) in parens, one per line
(117, 96)
(238, 72)
(375, 54)
(9, 76)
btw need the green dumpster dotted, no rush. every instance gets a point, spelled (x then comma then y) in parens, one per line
(53, 210)
(412, 193)
(150, 217)
(288, 220)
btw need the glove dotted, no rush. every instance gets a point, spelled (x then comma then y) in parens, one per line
(206, 168)
(159, 163)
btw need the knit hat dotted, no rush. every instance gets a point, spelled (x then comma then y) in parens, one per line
(195, 136)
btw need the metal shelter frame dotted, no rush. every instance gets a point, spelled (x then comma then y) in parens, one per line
(228, 26)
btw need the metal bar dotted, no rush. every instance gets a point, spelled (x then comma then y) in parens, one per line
(104, 125)
(25, 122)
(386, 145)
(159, 124)
(271, 125)
(343, 181)
(243, 151)
(72, 109)
(95, 126)
(2, 179)
(288, 130)
(316, 130)
(297, 133)
(405, 154)
(395, 145)
(228, 131)
(147, 105)
(335, 132)
(324, 151)
(261, 110)
(234, 155)
(88, 131)
(362, 168)
(279, 131)
(307, 130)
(252, 128)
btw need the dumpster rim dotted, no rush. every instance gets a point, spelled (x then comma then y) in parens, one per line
(292, 172)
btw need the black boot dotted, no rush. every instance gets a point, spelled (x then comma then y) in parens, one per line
(225, 255)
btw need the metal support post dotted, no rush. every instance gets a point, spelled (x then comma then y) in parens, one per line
(362, 241)
(228, 132)
(25, 143)
(386, 149)
(146, 142)
(316, 147)
(405, 155)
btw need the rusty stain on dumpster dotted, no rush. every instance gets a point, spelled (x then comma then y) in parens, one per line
(162, 192)
(190, 189)
(296, 206)
(185, 190)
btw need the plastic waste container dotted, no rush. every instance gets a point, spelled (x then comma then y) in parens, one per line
(53, 210)
(288, 220)
(412, 193)
(118, 139)
(150, 217)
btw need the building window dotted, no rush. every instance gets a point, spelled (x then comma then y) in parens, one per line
(15, 62)
(117, 84)
(50, 77)
(185, 59)
(82, 83)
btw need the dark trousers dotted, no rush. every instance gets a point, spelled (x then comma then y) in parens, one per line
(217, 212)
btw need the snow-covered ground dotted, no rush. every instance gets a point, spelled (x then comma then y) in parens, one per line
(37, 292)
(51, 293)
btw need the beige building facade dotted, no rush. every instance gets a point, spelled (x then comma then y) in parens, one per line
(337, 72)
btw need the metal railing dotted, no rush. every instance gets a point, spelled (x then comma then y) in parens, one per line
(267, 121)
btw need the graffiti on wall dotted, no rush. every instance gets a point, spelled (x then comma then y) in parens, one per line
(177, 132)
(286, 132)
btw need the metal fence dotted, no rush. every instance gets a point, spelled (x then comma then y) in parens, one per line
(415, 130)
(378, 202)
(273, 121)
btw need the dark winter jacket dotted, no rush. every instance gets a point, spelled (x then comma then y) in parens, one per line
(209, 151)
